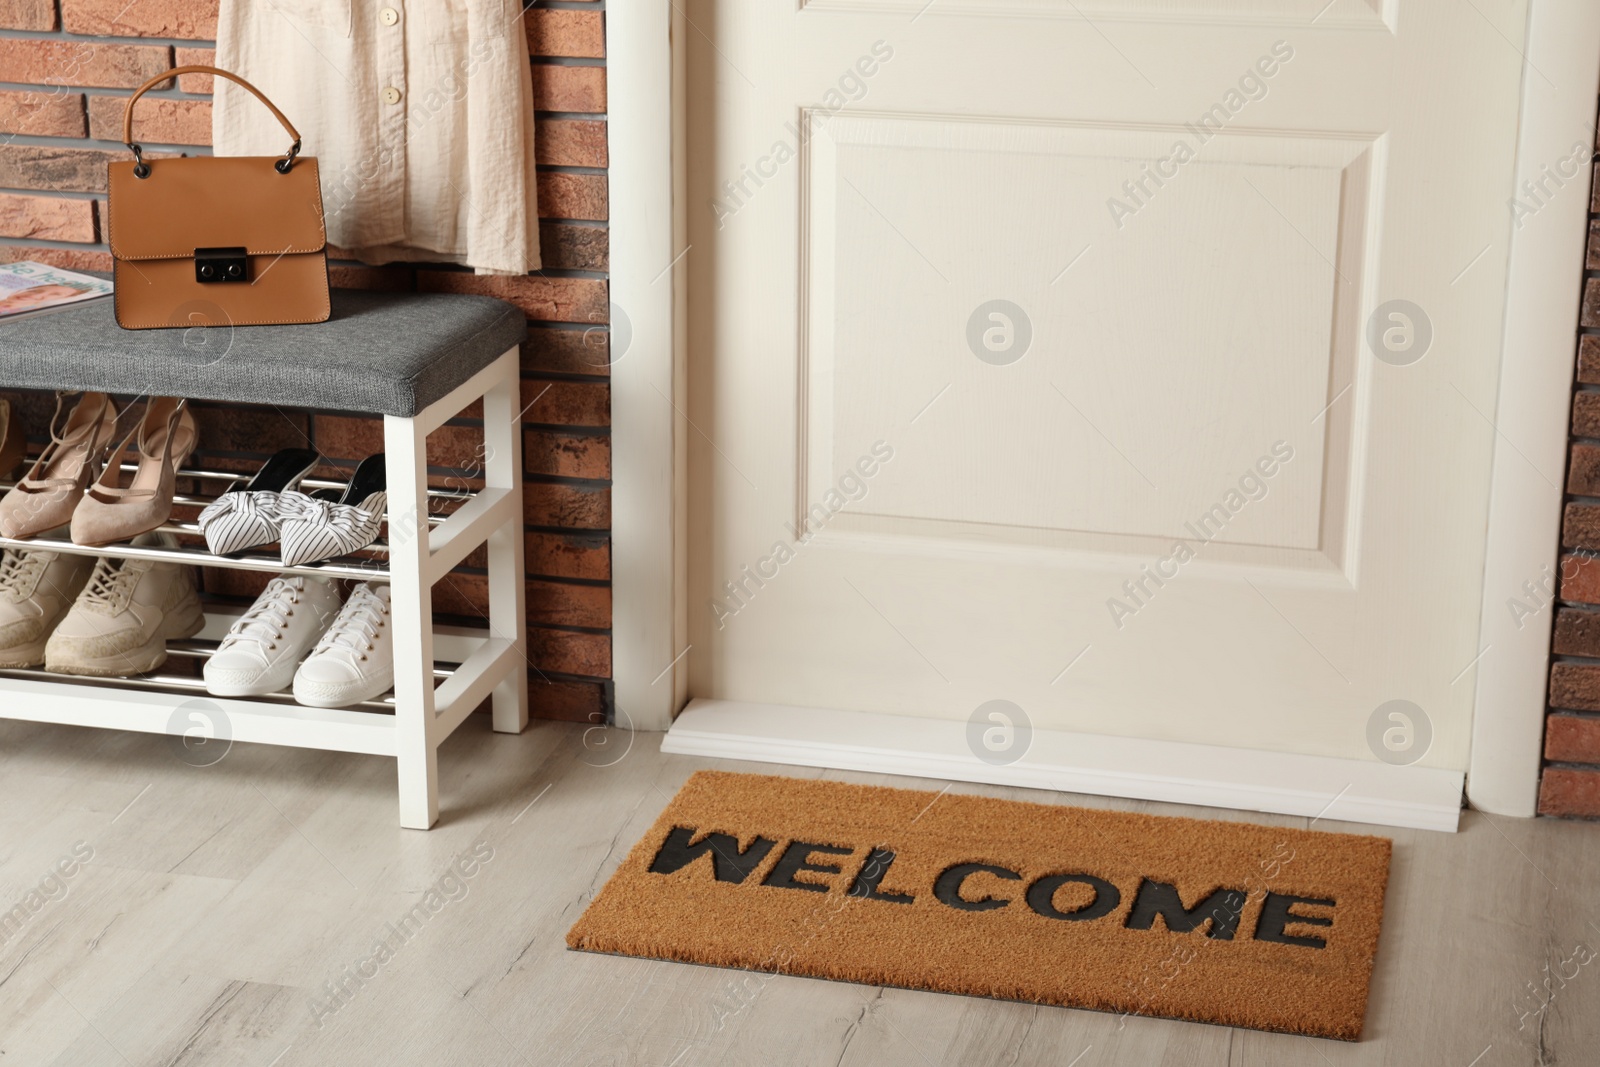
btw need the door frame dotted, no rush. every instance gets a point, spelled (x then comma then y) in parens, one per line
(647, 115)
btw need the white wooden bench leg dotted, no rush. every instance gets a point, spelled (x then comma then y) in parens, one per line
(411, 598)
(502, 440)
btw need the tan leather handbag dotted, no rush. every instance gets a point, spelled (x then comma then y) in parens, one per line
(216, 241)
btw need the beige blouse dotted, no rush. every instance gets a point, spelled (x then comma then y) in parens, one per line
(419, 112)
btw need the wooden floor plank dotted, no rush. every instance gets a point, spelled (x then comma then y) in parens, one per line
(234, 912)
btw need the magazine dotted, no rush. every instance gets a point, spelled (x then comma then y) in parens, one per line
(29, 288)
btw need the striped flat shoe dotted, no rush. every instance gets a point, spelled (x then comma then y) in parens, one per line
(324, 525)
(246, 516)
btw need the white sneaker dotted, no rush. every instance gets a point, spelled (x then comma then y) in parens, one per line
(123, 619)
(37, 587)
(262, 649)
(354, 661)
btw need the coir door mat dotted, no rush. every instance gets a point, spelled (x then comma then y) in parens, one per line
(1221, 922)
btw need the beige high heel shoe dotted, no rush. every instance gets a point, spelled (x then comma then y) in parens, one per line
(13, 440)
(46, 496)
(109, 513)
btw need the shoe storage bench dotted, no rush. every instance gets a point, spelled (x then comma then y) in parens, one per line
(416, 359)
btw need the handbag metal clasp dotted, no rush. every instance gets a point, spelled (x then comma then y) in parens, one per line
(221, 265)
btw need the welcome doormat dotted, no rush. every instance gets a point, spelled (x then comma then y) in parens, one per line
(1222, 922)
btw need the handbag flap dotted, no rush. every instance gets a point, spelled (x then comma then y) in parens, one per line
(214, 202)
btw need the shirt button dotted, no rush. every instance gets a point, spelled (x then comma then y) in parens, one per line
(389, 16)
(391, 95)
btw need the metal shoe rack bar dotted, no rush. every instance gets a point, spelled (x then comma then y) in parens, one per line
(441, 672)
(369, 565)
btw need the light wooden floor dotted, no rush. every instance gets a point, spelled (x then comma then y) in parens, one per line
(219, 900)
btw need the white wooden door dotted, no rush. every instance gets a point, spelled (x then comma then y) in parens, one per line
(1130, 361)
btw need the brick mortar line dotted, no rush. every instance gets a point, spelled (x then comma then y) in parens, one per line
(115, 91)
(578, 326)
(170, 94)
(602, 535)
(576, 631)
(101, 246)
(49, 245)
(586, 583)
(572, 431)
(569, 377)
(480, 620)
(126, 41)
(566, 480)
(49, 194)
(118, 40)
(552, 579)
(562, 273)
(602, 117)
(571, 679)
(60, 141)
(586, 432)
(557, 427)
(39, 140)
(578, 273)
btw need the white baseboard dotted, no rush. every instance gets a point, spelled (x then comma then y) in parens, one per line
(1320, 787)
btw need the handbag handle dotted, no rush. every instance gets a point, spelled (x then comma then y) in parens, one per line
(142, 169)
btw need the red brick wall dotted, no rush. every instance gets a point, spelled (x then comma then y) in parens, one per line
(65, 67)
(1570, 784)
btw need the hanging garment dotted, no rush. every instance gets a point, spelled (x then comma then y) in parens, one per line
(420, 115)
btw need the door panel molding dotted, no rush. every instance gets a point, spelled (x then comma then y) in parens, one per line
(1334, 179)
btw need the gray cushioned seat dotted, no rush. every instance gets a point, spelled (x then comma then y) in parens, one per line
(383, 353)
